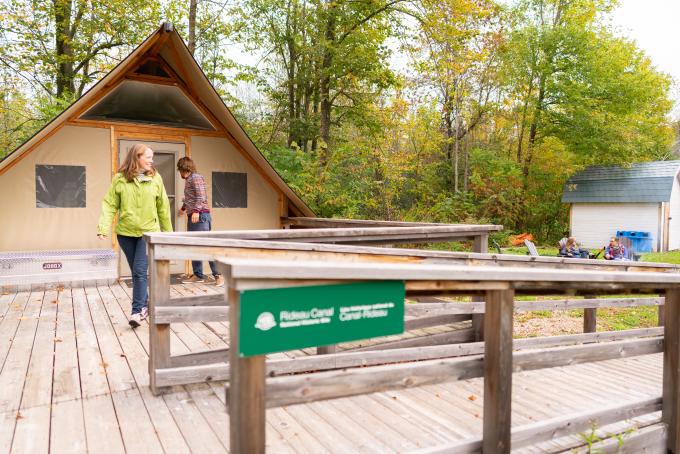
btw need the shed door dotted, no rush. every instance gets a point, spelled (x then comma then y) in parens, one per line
(165, 156)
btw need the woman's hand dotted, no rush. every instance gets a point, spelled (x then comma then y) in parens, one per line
(101, 236)
(195, 218)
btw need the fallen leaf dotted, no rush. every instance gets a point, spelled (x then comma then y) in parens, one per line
(105, 365)
(472, 397)
(19, 416)
(122, 355)
(55, 302)
(56, 339)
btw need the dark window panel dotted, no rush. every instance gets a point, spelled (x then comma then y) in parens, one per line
(152, 68)
(147, 103)
(229, 190)
(59, 186)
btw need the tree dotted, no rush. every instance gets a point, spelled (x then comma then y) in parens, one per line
(326, 61)
(455, 56)
(61, 46)
(569, 77)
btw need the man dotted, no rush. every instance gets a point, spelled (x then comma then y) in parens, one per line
(198, 214)
(615, 250)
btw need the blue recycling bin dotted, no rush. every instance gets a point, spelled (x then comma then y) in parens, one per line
(637, 241)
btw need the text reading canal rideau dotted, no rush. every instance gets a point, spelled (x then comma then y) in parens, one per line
(298, 317)
(347, 313)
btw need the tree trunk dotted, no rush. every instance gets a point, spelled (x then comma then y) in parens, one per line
(64, 35)
(192, 26)
(533, 130)
(325, 84)
(523, 122)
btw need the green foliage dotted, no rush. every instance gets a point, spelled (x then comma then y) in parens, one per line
(496, 106)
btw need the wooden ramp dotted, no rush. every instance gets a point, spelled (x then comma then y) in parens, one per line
(74, 378)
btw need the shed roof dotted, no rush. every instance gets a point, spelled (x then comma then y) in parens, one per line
(641, 182)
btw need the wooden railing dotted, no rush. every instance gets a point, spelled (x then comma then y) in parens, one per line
(168, 370)
(250, 393)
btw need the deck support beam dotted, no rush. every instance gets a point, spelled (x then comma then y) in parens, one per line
(481, 245)
(671, 370)
(497, 371)
(246, 407)
(159, 334)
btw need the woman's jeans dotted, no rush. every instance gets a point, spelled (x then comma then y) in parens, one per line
(203, 225)
(135, 253)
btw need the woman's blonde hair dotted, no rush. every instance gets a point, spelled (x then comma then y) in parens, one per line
(130, 166)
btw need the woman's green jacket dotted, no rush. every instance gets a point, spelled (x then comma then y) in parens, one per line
(142, 205)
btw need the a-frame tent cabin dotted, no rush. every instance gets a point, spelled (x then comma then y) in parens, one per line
(53, 184)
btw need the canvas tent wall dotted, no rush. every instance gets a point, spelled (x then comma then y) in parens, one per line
(644, 197)
(53, 184)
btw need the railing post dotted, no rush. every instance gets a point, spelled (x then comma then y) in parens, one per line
(497, 371)
(671, 369)
(661, 315)
(159, 335)
(590, 317)
(246, 399)
(481, 245)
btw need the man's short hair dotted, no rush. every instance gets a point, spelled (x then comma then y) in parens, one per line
(186, 164)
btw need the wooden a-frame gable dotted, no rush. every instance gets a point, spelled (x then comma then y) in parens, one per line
(164, 60)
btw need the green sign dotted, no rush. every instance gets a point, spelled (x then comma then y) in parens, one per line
(281, 319)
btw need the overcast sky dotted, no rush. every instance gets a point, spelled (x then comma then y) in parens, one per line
(652, 24)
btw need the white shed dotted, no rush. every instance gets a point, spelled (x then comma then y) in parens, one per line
(644, 197)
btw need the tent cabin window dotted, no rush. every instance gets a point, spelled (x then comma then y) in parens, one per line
(148, 103)
(152, 68)
(59, 186)
(229, 190)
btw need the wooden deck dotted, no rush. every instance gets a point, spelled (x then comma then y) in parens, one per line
(74, 378)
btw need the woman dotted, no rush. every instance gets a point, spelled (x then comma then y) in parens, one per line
(570, 248)
(198, 214)
(138, 195)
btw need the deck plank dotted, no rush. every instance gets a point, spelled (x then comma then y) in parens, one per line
(102, 430)
(32, 432)
(66, 384)
(68, 427)
(139, 434)
(10, 323)
(117, 369)
(39, 379)
(93, 380)
(13, 376)
(6, 300)
(196, 430)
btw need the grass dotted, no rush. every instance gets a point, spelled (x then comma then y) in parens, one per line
(560, 322)
(608, 318)
(662, 257)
